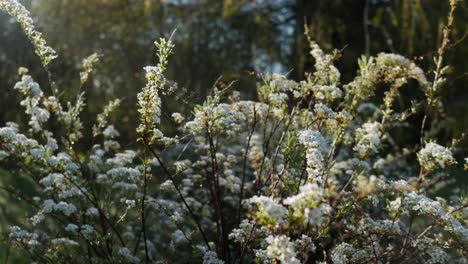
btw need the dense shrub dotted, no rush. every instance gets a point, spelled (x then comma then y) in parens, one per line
(311, 172)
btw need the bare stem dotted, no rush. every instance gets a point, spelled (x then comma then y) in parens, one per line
(171, 178)
(244, 165)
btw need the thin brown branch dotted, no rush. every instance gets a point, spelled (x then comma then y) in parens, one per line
(244, 165)
(171, 178)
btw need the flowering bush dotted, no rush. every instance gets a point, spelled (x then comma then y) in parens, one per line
(308, 173)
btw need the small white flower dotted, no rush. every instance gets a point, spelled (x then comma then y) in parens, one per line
(282, 249)
(157, 133)
(341, 253)
(86, 230)
(316, 150)
(66, 208)
(270, 208)
(64, 241)
(127, 254)
(110, 132)
(93, 211)
(368, 138)
(327, 92)
(71, 228)
(8, 133)
(130, 203)
(178, 118)
(395, 204)
(37, 153)
(178, 237)
(434, 156)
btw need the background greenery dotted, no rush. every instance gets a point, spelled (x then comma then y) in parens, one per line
(228, 38)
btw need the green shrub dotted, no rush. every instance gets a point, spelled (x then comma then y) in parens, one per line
(310, 172)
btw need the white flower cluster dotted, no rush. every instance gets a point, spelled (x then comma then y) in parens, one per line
(244, 232)
(70, 118)
(88, 64)
(326, 72)
(16, 143)
(282, 249)
(390, 68)
(128, 256)
(277, 99)
(110, 132)
(384, 227)
(369, 184)
(64, 241)
(269, 210)
(316, 151)
(436, 254)
(210, 257)
(427, 206)
(178, 118)
(66, 208)
(328, 93)
(398, 64)
(274, 92)
(57, 182)
(305, 245)
(341, 253)
(101, 121)
(323, 111)
(18, 11)
(149, 99)
(33, 93)
(220, 118)
(434, 156)
(21, 235)
(308, 204)
(368, 138)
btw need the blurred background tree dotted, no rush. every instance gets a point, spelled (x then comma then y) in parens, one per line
(224, 38)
